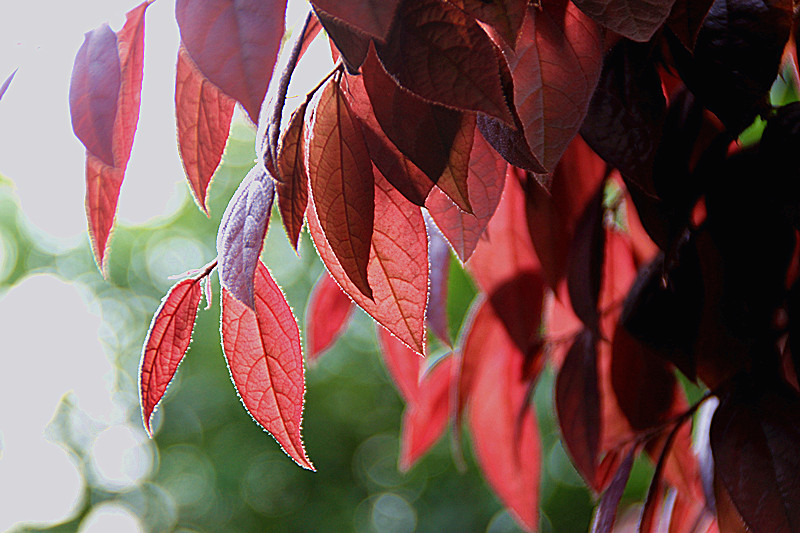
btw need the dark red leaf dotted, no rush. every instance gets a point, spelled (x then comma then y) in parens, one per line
(102, 192)
(687, 18)
(425, 419)
(578, 404)
(455, 178)
(342, 183)
(655, 494)
(166, 343)
(555, 69)
(637, 20)
(262, 346)
(585, 270)
(439, 261)
(203, 115)
(607, 510)
(397, 269)
(441, 54)
(326, 317)
(241, 234)
(351, 44)
(755, 435)
(728, 518)
(505, 16)
(292, 178)
(404, 365)
(93, 92)
(518, 304)
(373, 17)
(7, 83)
(234, 43)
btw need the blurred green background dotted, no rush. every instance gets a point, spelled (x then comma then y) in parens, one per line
(209, 467)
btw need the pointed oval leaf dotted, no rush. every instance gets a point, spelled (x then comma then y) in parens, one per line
(262, 347)
(166, 343)
(397, 269)
(292, 177)
(234, 43)
(425, 420)
(686, 19)
(4, 87)
(439, 261)
(404, 365)
(637, 20)
(93, 92)
(440, 53)
(505, 16)
(351, 44)
(103, 183)
(373, 17)
(326, 317)
(606, 513)
(203, 115)
(555, 69)
(586, 258)
(241, 234)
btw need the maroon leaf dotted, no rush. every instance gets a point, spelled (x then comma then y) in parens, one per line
(234, 43)
(342, 183)
(262, 347)
(166, 343)
(241, 234)
(404, 365)
(326, 317)
(203, 114)
(373, 17)
(687, 18)
(454, 181)
(505, 16)
(585, 273)
(607, 510)
(6, 84)
(555, 69)
(292, 178)
(441, 54)
(93, 92)
(439, 261)
(425, 419)
(637, 20)
(578, 404)
(485, 182)
(351, 44)
(755, 434)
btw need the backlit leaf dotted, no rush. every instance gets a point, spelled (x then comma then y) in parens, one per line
(404, 365)
(93, 92)
(6, 84)
(637, 20)
(350, 43)
(241, 234)
(262, 347)
(203, 115)
(373, 17)
(555, 69)
(166, 343)
(441, 54)
(505, 16)
(292, 178)
(342, 183)
(326, 317)
(234, 43)
(397, 269)
(102, 192)
(585, 270)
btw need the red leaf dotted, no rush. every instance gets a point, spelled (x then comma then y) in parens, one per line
(555, 69)
(373, 17)
(262, 346)
(755, 434)
(637, 20)
(241, 234)
(328, 311)
(94, 91)
(234, 43)
(102, 192)
(441, 54)
(425, 419)
(607, 510)
(203, 114)
(586, 258)
(578, 405)
(166, 343)
(7, 83)
(351, 44)
(503, 427)
(455, 178)
(439, 261)
(397, 269)
(342, 183)
(403, 364)
(505, 16)
(292, 177)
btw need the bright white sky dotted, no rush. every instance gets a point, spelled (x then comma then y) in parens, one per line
(41, 155)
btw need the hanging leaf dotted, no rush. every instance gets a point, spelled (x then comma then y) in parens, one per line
(327, 315)
(505, 16)
(234, 43)
(439, 261)
(167, 341)
(606, 513)
(397, 268)
(586, 258)
(404, 365)
(103, 183)
(439, 53)
(203, 114)
(262, 347)
(342, 183)
(373, 17)
(292, 177)
(241, 234)
(351, 44)
(687, 18)
(637, 20)
(7, 83)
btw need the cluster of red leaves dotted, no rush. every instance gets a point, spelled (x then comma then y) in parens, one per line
(640, 247)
